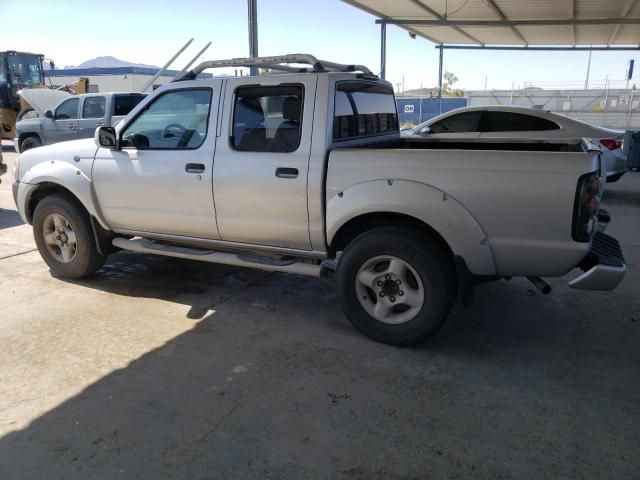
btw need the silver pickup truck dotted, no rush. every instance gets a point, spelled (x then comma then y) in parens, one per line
(304, 171)
(76, 116)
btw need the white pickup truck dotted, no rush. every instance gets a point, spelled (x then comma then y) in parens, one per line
(303, 171)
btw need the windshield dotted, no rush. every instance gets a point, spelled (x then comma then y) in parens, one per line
(24, 70)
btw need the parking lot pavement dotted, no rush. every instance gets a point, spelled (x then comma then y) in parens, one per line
(160, 368)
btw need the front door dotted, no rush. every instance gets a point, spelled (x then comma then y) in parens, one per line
(64, 124)
(262, 159)
(160, 179)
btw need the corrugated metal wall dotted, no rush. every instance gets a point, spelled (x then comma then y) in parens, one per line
(409, 112)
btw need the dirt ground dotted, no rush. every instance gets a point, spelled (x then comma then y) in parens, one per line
(162, 368)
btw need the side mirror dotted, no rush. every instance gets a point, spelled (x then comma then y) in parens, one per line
(105, 137)
(425, 130)
(48, 114)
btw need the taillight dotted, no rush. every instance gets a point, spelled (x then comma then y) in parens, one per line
(611, 143)
(585, 210)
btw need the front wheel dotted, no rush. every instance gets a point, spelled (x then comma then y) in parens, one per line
(29, 143)
(396, 285)
(63, 235)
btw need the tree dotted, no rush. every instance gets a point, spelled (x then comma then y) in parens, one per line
(447, 86)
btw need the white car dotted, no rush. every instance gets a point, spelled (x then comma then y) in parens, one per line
(501, 123)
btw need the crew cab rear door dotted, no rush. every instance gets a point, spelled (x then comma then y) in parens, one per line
(159, 181)
(262, 159)
(93, 114)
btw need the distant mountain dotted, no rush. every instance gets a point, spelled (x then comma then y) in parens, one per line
(109, 62)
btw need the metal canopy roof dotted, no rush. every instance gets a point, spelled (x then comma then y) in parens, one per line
(513, 22)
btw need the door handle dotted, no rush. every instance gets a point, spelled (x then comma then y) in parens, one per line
(284, 172)
(73, 127)
(194, 168)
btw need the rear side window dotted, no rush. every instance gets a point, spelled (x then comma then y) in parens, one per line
(363, 110)
(458, 123)
(126, 103)
(93, 107)
(516, 122)
(267, 119)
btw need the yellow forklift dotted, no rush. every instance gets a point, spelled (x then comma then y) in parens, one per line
(19, 70)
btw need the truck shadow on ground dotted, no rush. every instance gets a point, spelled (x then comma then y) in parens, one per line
(276, 384)
(9, 218)
(616, 195)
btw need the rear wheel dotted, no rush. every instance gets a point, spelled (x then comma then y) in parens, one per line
(396, 285)
(63, 235)
(30, 142)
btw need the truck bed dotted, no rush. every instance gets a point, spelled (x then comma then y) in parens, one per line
(520, 203)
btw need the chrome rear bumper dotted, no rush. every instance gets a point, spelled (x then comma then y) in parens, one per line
(604, 266)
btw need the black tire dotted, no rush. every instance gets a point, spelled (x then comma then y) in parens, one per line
(430, 260)
(28, 143)
(26, 113)
(86, 259)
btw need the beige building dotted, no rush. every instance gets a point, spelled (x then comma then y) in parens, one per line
(119, 79)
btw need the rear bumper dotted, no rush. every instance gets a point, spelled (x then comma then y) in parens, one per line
(604, 266)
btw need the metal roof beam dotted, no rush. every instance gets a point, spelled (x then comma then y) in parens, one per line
(572, 16)
(441, 18)
(499, 12)
(512, 23)
(625, 10)
(536, 48)
(357, 4)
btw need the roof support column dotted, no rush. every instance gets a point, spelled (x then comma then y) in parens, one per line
(440, 78)
(253, 32)
(383, 50)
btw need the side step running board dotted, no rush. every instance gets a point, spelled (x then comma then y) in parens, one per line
(142, 245)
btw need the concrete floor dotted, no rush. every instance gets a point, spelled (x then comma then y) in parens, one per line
(159, 368)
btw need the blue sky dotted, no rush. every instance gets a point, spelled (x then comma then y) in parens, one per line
(72, 31)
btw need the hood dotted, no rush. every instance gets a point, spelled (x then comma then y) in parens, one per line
(43, 99)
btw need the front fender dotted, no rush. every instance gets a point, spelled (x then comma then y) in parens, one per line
(60, 173)
(439, 210)
(31, 129)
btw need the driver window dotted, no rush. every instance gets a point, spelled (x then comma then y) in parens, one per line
(68, 110)
(176, 120)
(460, 123)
